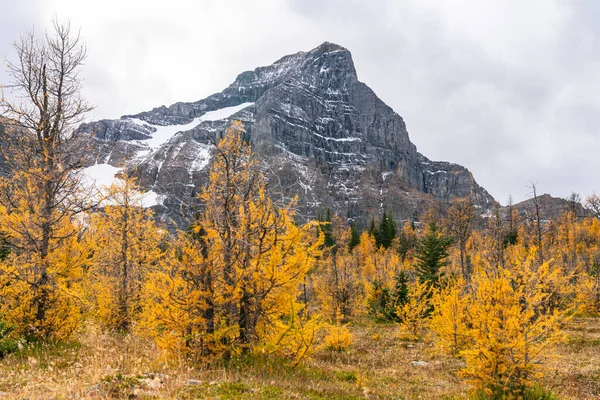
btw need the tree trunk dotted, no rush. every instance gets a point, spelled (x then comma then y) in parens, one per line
(123, 301)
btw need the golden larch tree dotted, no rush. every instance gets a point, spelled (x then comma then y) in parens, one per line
(126, 244)
(515, 313)
(42, 195)
(245, 269)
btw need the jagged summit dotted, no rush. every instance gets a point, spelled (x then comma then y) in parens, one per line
(323, 135)
(316, 62)
(326, 65)
(325, 47)
(328, 47)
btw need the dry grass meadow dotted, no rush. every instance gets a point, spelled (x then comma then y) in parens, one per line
(379, 365)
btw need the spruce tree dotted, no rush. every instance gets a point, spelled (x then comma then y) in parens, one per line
(432, 254)
(401, 289)
(385, 302)
(373, 230)
(387, 231)
(354, 237)
(325, 228)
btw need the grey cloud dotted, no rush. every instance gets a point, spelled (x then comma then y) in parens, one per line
(506, 88)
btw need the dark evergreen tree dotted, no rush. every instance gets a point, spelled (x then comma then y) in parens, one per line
(432, 254)
(325, 228)
(384, 301)
(318, 227)
(387, 231)
(373, 230)
(354, 237)
(401, 289)
(511, 237)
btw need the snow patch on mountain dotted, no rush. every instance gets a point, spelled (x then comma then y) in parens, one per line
(202, 157)
(223, 113)
(101, 176)
(151, 199)
(163, 133)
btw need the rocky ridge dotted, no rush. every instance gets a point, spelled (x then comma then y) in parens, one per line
(319, 131)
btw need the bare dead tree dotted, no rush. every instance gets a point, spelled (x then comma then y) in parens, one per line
(574, 200)
(538, 221)
(460, 223)
(497, 233)
(510, 213)
(592, 203)
(45, 150)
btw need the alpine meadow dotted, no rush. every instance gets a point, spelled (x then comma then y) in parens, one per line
(280, 239)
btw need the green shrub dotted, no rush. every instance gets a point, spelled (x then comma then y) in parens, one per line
(7, 343)
(531, 393)
(119, 385)
(347, 376)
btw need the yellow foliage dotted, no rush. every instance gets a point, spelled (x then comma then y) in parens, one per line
(414, 314)
(450, 317)
(339, 284)
(232, 284)
(126, 244)
(41, 293)
(294, 338)
(588, 293)
(346, 283)
(338, 338)
(515, 314)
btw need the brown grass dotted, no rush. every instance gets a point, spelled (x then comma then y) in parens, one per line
(378, 365)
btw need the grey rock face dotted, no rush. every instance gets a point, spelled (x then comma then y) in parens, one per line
(320, 132)
(446, 180)
(550, 208)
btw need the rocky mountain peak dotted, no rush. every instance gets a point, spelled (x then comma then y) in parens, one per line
(328, 65)
(321, 133)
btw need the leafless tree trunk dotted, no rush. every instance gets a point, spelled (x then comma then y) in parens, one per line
(497, 232)
(45, 151)
(510, 214)
(538, 222)
(574, 203)
(592, 203)
(460, 224)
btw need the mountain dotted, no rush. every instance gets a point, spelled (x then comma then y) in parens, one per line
(320, 133)
(550, 207)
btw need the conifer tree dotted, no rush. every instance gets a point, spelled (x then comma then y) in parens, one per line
(515, 314)
(354, 237)
(239, 287)
(414, 313)
(450, 318)
(41, 196)
(126, 244)
(327, 230)
(339, 283)
(373, 230)
(432, 254)
(387, 231)
(384, 301)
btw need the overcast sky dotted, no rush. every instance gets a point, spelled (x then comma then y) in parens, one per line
(508, 88)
